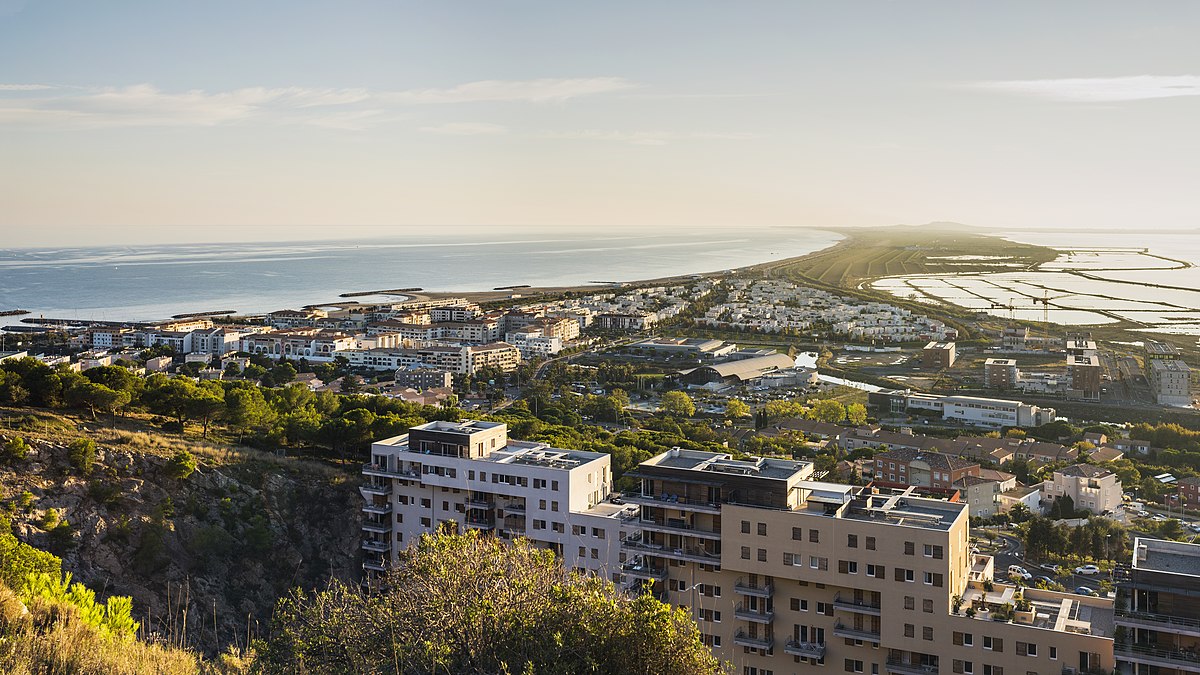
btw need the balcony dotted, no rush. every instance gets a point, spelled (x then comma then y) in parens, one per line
(376, 546)
(681, 528)
(900, 668)
(384, 472)
(743, 587)
(744, 639)
(673, 502)
(753, 615)
(480, 503)
(644, 571)
(513, 507)
(1186, 661)
(374, 566)
(851, 605)
(378, 509)
(481, 524)
(374, 489)
(1173, 624)
(845, 631)
(372, 526)
(812, 650)
(688, 553)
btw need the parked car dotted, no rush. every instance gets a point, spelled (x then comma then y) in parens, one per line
(1053, 569)
(1018, 572)
(1084, 590)
(1087, 569)
(1045, 580)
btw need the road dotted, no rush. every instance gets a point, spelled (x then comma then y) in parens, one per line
(1012, 552)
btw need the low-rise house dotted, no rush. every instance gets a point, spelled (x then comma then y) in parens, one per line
(1092, 488)
(909, 466)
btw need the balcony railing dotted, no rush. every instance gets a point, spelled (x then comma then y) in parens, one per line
(845, 631)
(687, 553)
(371, 526)
(373, 489)
(852, 605)
(1188, 661)
(744, 639)
(673, 502)
(753, 615)
(381, 470)
(374, 566)
(743, 587)
(901, 668)
(644, 571)
(1176, 624)
(812, 650)
(513, 507)
(376, 546)
(480, 503)
(686, 530)
(378, 509)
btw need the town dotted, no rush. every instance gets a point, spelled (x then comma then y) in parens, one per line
(957, 448)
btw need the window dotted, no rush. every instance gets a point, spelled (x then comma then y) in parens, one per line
(814, 536)
(992, 670)
(1026, 649)
(595, 554)
(929, 578)
(928, 550)
(797, 533)
(825, 608)
(597, 532)
(927, 606)
(938, 552)
(710, 615)
(542, 504)
(852, 540)
(762, 529)
(553, 506)
(909, 548)
(1053, 653)
(582, 551)
(853, 567)
(762, 555)
(812, 562)
(927, 633)
(554, 486)
(803, 605)
(558, 527)
(745, 527)
(909, 630)
(909, 602)
(854, 666)
(795, 604)
(966, 667)
(578, 530)
(745, 553)
(875, 571)
(993, 644)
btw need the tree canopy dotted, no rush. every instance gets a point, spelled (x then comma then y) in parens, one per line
(473, 604)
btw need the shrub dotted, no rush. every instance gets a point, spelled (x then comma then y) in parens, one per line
(15, 450)
(82, 454)
(181, 465)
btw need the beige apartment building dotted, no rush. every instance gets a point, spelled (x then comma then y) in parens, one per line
(1091, 487)
(789, 575)
(938, 355)
(472, 474)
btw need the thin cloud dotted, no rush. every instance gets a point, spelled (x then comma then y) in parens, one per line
(25, 87)
(1099, 89)
(146, 105)
(466, 129)
(647, 137)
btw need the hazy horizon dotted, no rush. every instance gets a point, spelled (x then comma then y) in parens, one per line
(294, 121)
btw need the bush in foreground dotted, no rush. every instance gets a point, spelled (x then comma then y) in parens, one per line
(472, 604)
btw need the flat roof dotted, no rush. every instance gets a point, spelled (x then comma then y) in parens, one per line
(1168, 557)
(1174, 365)
(1160, 348)
(719, 463)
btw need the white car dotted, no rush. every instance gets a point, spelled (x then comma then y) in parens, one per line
(1019, 572)
(1087, 569)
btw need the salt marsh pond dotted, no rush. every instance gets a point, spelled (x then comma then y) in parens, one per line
(1141, 281)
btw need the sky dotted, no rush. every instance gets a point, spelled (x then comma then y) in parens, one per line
(165, 121)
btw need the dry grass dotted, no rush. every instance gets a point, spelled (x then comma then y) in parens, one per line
(49, 638)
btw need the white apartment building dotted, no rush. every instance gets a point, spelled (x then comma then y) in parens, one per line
(464, 312)
(1090, 487)
(532, 343)
(1170, 381)
(471, 473)
(219, 341)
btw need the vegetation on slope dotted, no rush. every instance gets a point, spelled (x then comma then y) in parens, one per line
(473, 604)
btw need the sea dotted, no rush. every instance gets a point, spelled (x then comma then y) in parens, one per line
(150, 282)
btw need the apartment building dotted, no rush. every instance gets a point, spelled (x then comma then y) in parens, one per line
(1160, 610)
(423, 378)
(314, 344)
(1170, 381)
(1091, 487)
(1084, 371)
(471, 473)
(532, 343)
(938, 355)
(1015, 339)
(463, 312)
(909, 466)
(295, 318)
(1000, 373)
(625, 322)
(983, 493)
(499, 355)
(1189, 491)
(789, 575)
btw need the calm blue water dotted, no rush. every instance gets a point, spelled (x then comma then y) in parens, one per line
(154, 282)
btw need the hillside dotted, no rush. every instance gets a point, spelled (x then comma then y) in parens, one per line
(204, 553)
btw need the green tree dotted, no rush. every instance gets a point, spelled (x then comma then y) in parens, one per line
(856, 414)
(498, 608)
(15, 449)
(205, 402)
(829, 411)
(181, 465)
(246, 409)
(88, 394)
(82, 455)
(676, 404)
(736, 409)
